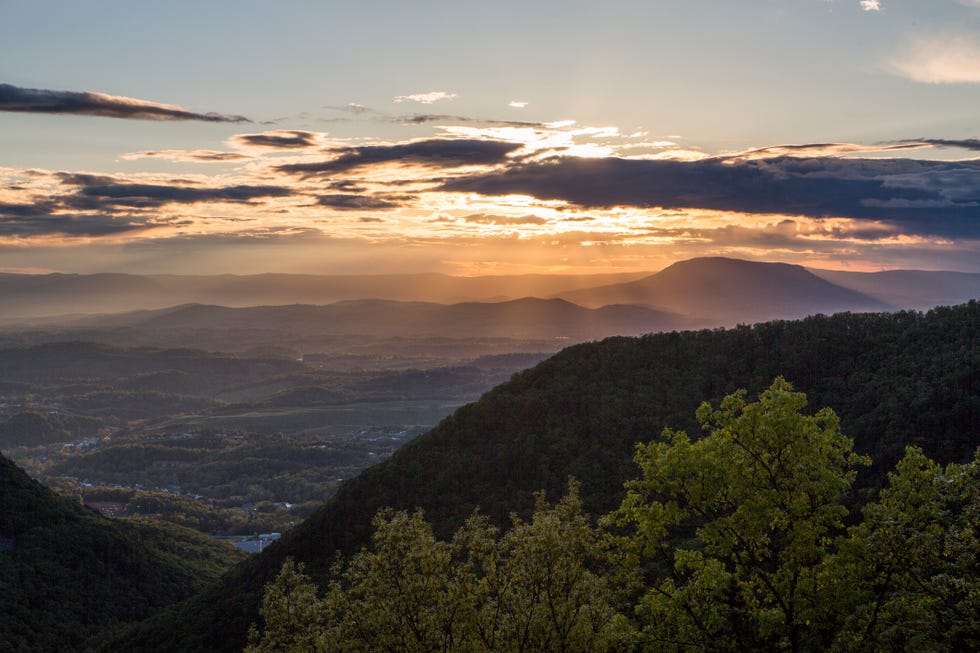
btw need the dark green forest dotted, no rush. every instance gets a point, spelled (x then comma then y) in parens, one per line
(67, 573)
(898, 380)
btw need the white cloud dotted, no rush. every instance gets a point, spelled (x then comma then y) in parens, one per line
(517, 104)
(426, 98)
(946, 60)
(969, 3)
(871, 5)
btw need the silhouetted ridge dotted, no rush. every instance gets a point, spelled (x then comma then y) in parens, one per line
(527, 317)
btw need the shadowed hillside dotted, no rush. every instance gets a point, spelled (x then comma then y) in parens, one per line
(895, 380)
(67, 573)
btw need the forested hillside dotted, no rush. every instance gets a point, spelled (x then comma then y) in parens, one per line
(67, 573)
(895, 380)
(741, 540)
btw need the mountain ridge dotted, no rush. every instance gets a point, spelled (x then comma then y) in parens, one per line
(24, 296)
(527, 317)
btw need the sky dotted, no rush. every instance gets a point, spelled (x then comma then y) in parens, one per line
(554, 136)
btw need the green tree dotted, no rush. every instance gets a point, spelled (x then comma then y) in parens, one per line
(733, 527)
(403, 594)
(292, 613)
(913, 565)
(548, 584)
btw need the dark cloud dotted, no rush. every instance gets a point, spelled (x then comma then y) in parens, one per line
(424, 118)
(33, 100)
(84, 179)
(346, 185)
(437, 152)
(20, 210)
(926, 197)
(95, 195)
(280, 139)
(352, 202)
(965, 144)
(200, 156)
(21, 226)
(822, 149)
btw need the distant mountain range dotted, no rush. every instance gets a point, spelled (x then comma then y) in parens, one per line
(702, 292)
(23, 295)
(521, 318)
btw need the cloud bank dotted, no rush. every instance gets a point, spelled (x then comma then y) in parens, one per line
(436, 152)
(924, 197)
(525, 198)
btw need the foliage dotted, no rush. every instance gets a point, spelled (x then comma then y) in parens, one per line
(912, 567)
(66, 573)
(35, 427)
(741, 536)
(543, 586)
(738, 523)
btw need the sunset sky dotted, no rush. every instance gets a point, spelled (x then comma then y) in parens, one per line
(487, 138)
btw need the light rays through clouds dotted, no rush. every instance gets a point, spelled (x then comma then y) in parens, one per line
(498, 196)
(460, 193)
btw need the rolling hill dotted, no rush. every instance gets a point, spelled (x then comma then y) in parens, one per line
(895, 380)
(27, 296)
(522, 318)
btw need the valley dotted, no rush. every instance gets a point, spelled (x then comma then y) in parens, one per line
(304, 419)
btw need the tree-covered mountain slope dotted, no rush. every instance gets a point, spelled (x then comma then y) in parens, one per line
(898, 379)
(67, 573)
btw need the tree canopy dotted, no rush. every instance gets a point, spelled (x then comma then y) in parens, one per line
(544, 585)
(735, 541)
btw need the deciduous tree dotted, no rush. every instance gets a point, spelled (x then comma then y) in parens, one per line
(733, 527)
